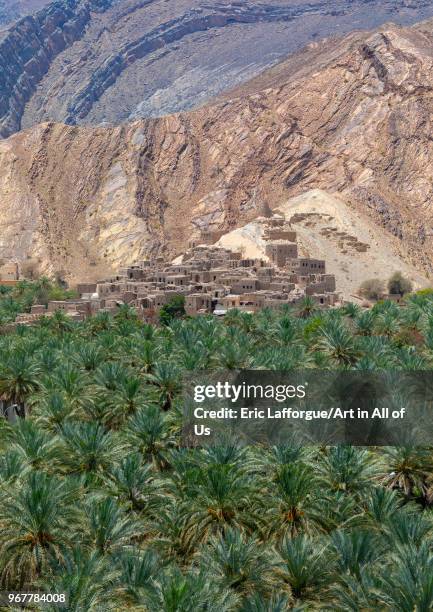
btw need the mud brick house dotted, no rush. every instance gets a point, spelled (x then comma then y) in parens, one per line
(212, 278)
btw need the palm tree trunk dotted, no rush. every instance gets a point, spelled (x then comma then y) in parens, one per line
(20, 409)
(9, 412)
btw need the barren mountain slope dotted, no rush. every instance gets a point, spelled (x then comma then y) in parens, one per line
(354, 247)
(353, 118)
(95, 61)
(11, 10)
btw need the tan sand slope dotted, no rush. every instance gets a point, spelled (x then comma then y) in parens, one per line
(354, 248)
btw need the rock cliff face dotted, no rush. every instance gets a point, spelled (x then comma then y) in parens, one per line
(11, 10)
(108, 61)
(28, 49)
(352, 118)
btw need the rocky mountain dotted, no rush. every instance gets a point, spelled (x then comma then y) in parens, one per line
(352, 118)
(12, 10)
(109, 61)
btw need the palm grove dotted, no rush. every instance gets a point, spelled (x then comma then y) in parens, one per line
(99, 500)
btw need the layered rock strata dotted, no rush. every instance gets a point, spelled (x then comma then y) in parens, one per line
(352, 118)
(109, 61)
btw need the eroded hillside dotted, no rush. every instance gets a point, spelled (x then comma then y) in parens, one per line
(354, 247)
(353, 118)
(11, 10)
(107, 61)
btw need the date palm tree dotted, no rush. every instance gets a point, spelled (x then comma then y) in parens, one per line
(38, 449)
(407, 527)
(9, 309)
(408, 584)
(89, 449)
(136, 579)
(287, 331)
(240, 563)
(278, 602)
(408, 468)
(133, 483)
(387, 324)
(19, 379)
(233, 355)
(220, 496)
(358, 593)
(377, 351)
(37, 524)
(146, 354)
(408, 359)
(13, 466)
(285, 454)
(337, 343)
(166, 378)
(364, 323)
(147, 431)
(109, 376)
(125, 313)
(110, 530)
(168, 532)
(86, 579)
(102, 321)
(282, 358)
(380, 506)
(347, 468)
(306, 307)
(192, 591)
(73, 385)
(292, 505)
(355, 550)
(351, 310)
(60, 322)
(51, 410)
(128, 397)
(195, 358)
(88, 356)
(308, 568)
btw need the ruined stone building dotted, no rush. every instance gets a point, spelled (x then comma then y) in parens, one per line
(213, 280)
(9, 273)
